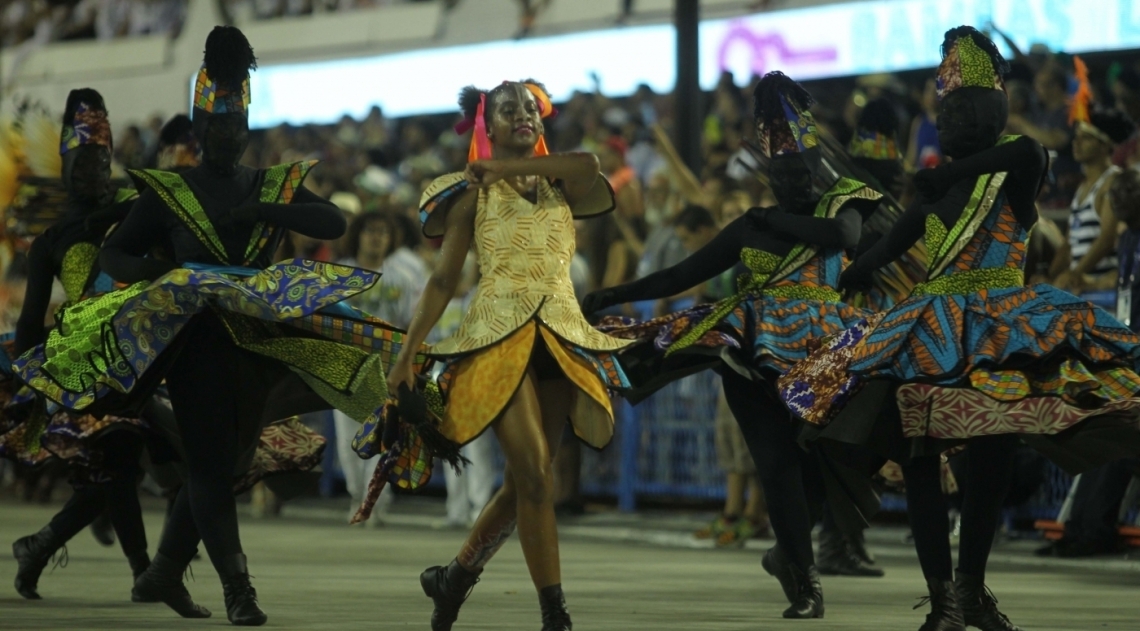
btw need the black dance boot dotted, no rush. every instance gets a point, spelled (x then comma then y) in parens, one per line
(241, 598)
(858, 545)
(808, 602)
(162, 582)
(448, 587)
(777, 565)
(32, 554)
(139, 562)
(979, 607)
(554, 614)
(837, 557)
(945, 613)
(103, 530)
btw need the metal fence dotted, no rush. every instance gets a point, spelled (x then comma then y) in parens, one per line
(665, 448)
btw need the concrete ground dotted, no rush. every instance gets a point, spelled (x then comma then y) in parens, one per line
(313, 572)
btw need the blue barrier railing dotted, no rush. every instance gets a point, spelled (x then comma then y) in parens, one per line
(665, 448)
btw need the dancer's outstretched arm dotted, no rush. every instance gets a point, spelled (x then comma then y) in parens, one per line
(909, 228)
(30, 328)
(308, 213)
(720, 254)
(842, 232)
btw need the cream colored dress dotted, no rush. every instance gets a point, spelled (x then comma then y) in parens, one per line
(524, 251)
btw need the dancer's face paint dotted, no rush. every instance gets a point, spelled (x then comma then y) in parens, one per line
(515, 122)
(87, 173)
(227, 136)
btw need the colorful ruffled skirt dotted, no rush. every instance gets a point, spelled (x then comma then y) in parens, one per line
(31, 436)
(760, 337)
(1034, 361)
(287, 452)
(111, 351)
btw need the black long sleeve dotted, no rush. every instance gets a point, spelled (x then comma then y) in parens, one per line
(842, 232)
(308, 214)
(1009, 156)
(909, 228)
(1024, 159)
(720, 254)
(124, 254)
(30, 329)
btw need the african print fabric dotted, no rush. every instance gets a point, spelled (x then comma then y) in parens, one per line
(785, 305)
(284, 447)
(108, 343)
(971, 344)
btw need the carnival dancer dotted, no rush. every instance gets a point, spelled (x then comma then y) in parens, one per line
(972, 356)
(795, 253)
(874, 148)
(224, 328)
(524, 360)
(105, 461)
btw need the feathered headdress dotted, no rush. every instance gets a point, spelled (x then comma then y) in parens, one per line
(84, 121)
(177, 146)
(969, 59)
(876, 133)
(783, 116)
(222, 85)
(1082, 97)
(1109, 126)
(473, 102)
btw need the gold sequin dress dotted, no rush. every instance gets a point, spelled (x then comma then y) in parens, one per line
(524, 298)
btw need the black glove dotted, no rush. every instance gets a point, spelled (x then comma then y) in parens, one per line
(855, 279)
(932, 184)
(596, 301)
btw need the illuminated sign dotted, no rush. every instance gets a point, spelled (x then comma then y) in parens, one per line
(811, 43)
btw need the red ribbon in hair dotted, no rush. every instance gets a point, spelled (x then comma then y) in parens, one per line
(480, 148)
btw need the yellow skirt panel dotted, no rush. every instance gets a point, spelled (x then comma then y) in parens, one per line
(485, 382)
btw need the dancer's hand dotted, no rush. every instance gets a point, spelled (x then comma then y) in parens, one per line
(932, 184)
(484, 172)
(596, 301)
(403, 373)
(854, 279)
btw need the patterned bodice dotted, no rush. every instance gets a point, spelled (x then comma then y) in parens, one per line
(524, 251)
(820, 272)
(985, 248)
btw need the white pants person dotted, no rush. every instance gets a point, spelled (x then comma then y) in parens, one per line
(468, 493)
(357, 471)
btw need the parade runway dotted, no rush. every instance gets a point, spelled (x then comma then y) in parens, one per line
(315, 574)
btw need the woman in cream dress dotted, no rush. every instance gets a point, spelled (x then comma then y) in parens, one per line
(524, 360)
